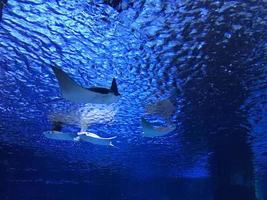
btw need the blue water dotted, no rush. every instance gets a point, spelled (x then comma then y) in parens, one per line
(208, 57)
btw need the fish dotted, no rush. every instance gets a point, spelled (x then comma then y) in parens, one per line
(150, 131)
(95, 139)
(75, 93)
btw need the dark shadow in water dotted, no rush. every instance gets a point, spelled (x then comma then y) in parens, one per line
(217, 119)
(113, 3)
(2, 5)
(213, 109)
(28, 173)
(121, 5)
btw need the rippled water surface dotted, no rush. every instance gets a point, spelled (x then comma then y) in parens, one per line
(209, 58)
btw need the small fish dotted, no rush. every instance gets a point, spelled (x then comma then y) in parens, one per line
(95, 139)
(58, 135)
(73, 92)
(150, 131)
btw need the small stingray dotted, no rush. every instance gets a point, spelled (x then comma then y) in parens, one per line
(95, 139)
(57, 135)
(73, 92)
(150, 131)
(162, 108)
(81, 136)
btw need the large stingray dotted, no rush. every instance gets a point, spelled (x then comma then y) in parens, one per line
(150, 131)
(73, 92)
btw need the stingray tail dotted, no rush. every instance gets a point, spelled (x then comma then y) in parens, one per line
(111, 138)
(112, 145)
(110, 142)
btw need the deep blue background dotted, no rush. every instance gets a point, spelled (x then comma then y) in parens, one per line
(208, 57)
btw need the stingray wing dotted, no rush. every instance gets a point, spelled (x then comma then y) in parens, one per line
(65, 82)
(150, 131)
(73, 92)
(93, 135)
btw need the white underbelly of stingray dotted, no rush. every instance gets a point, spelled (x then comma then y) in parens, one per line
(86, 96)
(154, 133)
(149, 132)
(99, 141)
(55, 135)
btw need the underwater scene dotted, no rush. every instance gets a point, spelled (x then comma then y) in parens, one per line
(133, 100)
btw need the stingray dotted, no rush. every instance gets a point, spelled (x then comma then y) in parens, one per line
(80, 136)
(73, 92)
(95, 139)
(150, 131)
(58, 135)
(163, 108)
